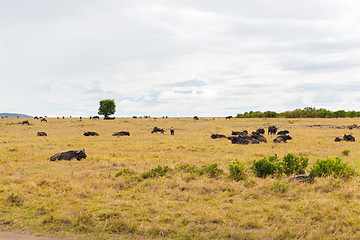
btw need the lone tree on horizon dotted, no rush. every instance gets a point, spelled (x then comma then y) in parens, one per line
(107, 107)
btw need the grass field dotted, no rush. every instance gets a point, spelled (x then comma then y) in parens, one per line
(106, 195)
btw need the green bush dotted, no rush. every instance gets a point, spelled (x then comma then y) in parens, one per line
(263, 167)
(333, 167)
(211, 170)
(237, 171)
(293, 164)
(125, 171)
(155, 172)
(345, 152)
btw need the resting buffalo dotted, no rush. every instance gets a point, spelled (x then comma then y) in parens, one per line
(243, 133)
(272, 129)
(258, 137)
(260, 130)
(69, 155)
(283, 132)
(157, 129)
(121, 133)
(91, 134)
(347, 137)
(282, 138)
(41, 134)
(215, 136)
(243, 140)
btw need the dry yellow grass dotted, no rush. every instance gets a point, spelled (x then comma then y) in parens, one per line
(86, 199)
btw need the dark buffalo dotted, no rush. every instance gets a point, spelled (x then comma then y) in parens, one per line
(109, 118)
(157, 129)
(283, 132)
(242, 133)
(95, 117)
(41, 134)
(215, 136)
(349, 138)
(121, 133)
(260, 131)
(69, 155)
(258, 137)
(228, 117)
(43, 120)
(282, 138)
(272, 129)
(90, 134)
(25, 122)
(243, 140)
(196, 118)
(337, 139)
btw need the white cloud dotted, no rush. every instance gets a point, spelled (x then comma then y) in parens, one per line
(206, 57)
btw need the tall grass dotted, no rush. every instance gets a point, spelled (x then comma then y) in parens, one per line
(106, 195)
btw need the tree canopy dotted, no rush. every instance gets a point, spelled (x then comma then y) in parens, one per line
(107, 107)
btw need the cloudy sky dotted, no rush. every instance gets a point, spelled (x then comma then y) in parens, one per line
(178, 57)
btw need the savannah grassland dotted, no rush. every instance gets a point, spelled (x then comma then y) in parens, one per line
(105, 196)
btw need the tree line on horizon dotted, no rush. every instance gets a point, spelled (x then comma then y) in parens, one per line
(307, 112)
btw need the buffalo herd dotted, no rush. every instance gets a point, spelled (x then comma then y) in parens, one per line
(237, 137)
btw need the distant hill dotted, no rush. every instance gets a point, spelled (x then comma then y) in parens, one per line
(14, 115)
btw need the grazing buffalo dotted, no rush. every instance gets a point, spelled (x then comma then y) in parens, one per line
(69, 155)
(215, 136)
(157, 129)
(347, 137)
(196, 118)
(41, 134)
(25, 122)
(283, 132)
(121, 133)
(95, 117)
(90, 134)
(272, 129)
(282, 138)
(43, 120)
(228, 117)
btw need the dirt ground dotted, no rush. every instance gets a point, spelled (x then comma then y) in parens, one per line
(11, 235)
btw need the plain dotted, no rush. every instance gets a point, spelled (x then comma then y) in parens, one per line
(107, 196)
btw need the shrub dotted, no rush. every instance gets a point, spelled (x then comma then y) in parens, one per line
(211, 170)
(155, 172)
(293, 164)
(125, 171)
(263, 167)
(237, 171)
(333, 167)
(345, 152)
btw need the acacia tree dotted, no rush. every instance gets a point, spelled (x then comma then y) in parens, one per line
(107, 107)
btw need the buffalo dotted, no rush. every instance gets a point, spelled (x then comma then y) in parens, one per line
(90, 134)
(283, 132)
(25, 122)
(43, 120)
(240, 133)
(282, 138)
(196, 118)
(272, 129)
(121, 133)
(347, 137)
(69, 155)
(41, 134)
(157, 129)
(258, 137)
(215, 136)
(228, 117)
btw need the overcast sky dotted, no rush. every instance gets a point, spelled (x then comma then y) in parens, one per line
(178, 57)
